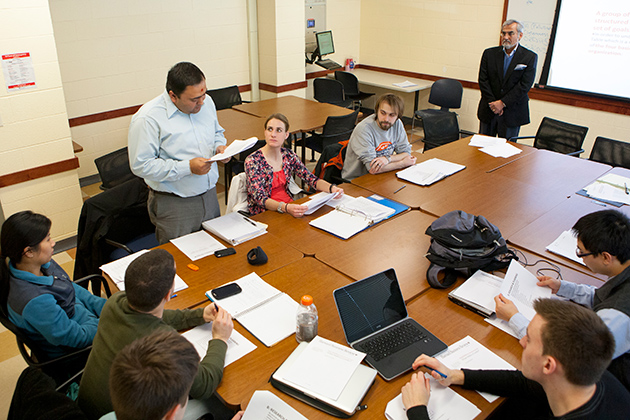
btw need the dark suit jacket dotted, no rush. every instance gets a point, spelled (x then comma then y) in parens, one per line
(512, 89)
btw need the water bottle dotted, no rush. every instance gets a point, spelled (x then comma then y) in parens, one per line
(306, 320)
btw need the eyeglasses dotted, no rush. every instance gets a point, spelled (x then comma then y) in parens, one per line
(581, 254)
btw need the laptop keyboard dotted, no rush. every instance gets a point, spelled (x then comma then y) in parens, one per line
(391, 341)
(328, 64)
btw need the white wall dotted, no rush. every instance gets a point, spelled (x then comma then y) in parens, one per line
(115, 54)
(35, 130)
(446, 38)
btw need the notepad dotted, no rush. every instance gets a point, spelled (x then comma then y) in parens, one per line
(263, 310)
(236, 147)
(429, 172)
(235, 228)
(197, 245)
(237, 345)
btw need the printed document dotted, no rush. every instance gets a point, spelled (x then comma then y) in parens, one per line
(265, 405)
(317, 201)
(468, 353)
(444, 404)
(520, 286)
(197, 245)
(478, 292)
(429, 171)
(265, 311)
(565, 245)
(479, 140)
(329, 366)
(116, 271)
(504, 150)
(406, 84)
(238, 346)
(236, 147)
(610, 187)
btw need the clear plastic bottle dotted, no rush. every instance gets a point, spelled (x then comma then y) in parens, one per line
(306, 320)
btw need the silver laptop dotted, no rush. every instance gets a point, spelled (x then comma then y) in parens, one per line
(375, 321)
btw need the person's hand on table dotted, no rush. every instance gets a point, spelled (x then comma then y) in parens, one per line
(378, 163)
(453, 376)
(222, 325)
(505, 308)
(550, 282)
(296, 210)
(200, 166)
(417, 391)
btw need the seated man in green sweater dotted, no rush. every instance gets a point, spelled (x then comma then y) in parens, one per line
(563, 371)
(137, 312)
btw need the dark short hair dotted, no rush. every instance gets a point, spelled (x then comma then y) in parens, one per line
(182, 75)
(149, 278)
(395, 101)
(151, 375)
(605, 231)
(278, 116)
(577, 337)
(20, 231)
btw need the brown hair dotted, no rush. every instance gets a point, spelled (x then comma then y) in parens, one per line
(395, 101)
(149, 278)
(577, 337)
(278, 116)
(153, 374)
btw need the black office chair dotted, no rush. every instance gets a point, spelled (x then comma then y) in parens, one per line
(226, 97)
(558, 136)
(236, 165)
(336, 129)
(351, 87)
(113, 168)
(330, 91)
(611, 152)
(115, 219)
(441, 125)
(61, 368)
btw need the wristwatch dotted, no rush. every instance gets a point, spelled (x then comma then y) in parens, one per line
(279, 209)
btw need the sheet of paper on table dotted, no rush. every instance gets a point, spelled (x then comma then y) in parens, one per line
(238, 345)
(265, 405)
(479, 140)
(197, 245)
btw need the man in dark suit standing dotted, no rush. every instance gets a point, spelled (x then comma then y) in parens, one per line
(506, 74)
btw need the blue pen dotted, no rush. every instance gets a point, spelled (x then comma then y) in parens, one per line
(438, 372)
(174, 295)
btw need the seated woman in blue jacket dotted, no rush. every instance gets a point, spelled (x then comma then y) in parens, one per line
(40, 298)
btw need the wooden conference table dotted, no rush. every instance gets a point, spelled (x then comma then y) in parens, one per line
(399, 242)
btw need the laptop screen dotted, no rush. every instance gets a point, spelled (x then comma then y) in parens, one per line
(370, 305)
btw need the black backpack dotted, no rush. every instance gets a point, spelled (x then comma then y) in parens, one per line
(461, 242)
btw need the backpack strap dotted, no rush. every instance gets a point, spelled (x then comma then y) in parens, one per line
(433, 276)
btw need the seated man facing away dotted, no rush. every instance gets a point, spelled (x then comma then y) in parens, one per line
(563, 371)
(137, 312)
(603, 243)
(151, 378)
(375, 140)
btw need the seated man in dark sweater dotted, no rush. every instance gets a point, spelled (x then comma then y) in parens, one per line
(137, 312)
(565, 354)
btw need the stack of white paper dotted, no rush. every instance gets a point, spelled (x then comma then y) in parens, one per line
(235, 228)
(197, 245)
(610, 187)
(504, 150)
(479, 140)
(478, 292)
(429, 171)
(444, 404)
(317, 201)
(265, 405)
(116, 271)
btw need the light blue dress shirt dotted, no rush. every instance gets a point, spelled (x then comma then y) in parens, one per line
(162, 140)
(617, 321)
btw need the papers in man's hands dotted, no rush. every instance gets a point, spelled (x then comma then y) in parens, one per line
(116, 271)
(235, 228)
(565, 245)
(610, 187)
(520, 286)
(197, 245)
(470, 354)
(478, 292)
(236, 147)
(238, 346)
(264, 405)
(429, 171)
(329, 366)
(261, 308)
(444, 404)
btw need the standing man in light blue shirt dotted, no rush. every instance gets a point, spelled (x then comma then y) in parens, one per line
(171, 139)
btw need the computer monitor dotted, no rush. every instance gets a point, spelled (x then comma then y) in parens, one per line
(325, 44)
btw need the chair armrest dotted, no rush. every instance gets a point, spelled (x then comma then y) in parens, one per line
(97, 280)
(518, 138)
(118, 245)
(576, 153)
